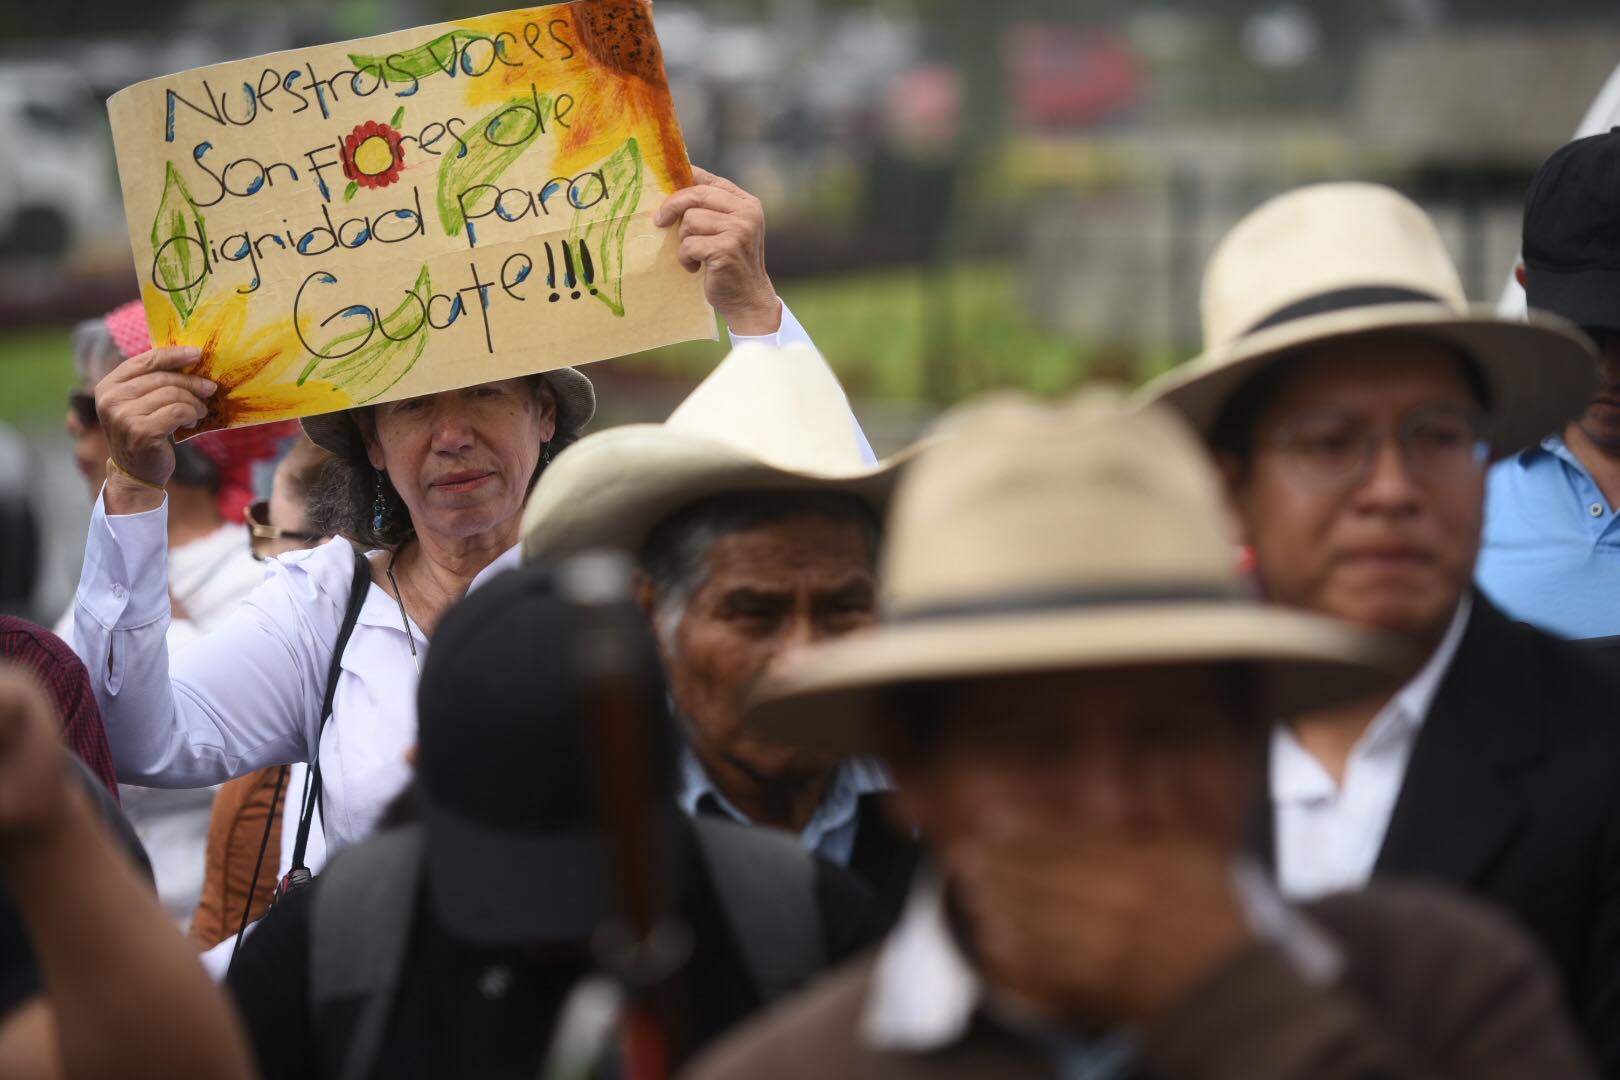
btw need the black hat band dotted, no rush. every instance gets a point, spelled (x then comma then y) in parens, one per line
(1343, 300)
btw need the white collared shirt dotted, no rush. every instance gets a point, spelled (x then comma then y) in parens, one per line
(1327, 836)
(248, 694)
(830, 832)
(925, 991)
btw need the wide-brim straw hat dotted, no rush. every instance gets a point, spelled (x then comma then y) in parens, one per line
(338, 433)
(1032, 538)
(765, 419)
(1333, 262)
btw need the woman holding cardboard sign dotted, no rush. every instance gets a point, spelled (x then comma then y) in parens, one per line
(433, 485)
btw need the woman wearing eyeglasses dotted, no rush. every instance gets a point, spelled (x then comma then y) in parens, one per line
(211, 570)
(281, 523)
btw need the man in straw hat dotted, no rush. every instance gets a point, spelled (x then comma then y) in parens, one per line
(1354, 399)
(754, 511)
(1072, 691)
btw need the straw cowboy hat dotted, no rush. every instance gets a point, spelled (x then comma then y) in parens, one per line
(1034, 538)
(576, 404)
(765, 419)
(1331, 262)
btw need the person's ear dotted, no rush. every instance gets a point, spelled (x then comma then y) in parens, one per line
(646, 595)
(366, 421)
(1521, 275)
(548, 411)
(1234, 472)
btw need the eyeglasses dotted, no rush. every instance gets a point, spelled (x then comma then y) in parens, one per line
(1335, 449)
(82, 404)
(262, 534)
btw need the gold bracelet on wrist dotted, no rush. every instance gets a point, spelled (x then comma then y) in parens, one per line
(112, 464)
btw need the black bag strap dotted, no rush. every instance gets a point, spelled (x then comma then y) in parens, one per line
(312, 789)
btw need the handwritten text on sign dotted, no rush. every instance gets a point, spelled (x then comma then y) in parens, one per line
(413, 212)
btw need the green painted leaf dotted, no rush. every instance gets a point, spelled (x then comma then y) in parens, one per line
(601, 228)
(182, 265)
(348, 192)
(438, 57)
(369, 371)
(483, 163)
(399, 117)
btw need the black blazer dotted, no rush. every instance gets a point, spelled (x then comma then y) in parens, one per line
(886, 858)
(1512, 793)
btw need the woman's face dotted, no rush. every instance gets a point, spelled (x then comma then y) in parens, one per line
(461, 460)
(90, 449)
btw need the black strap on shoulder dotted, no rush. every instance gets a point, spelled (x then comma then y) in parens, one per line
(312, 790)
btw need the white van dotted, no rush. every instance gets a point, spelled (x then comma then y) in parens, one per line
(57, 180)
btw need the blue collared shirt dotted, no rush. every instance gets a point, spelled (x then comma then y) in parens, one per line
(1551, 550)
(830, 832)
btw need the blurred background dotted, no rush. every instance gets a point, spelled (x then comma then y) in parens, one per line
(961, 194)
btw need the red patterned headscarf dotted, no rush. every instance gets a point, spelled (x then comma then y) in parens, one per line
(233, 451)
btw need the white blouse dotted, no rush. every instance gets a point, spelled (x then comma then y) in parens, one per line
(249, 693)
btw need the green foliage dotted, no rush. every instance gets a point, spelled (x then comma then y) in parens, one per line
(36, 371)
(906, 335)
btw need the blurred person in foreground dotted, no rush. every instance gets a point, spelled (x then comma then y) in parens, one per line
(754, 511)
(94, 980)
(1072, 689)
(454, 945)
(245, 852)
(431, 486)
(1354, 398)
(62, 673)
(1551, 549)
(210, 570)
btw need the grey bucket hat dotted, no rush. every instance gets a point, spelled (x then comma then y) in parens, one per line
(576, 404)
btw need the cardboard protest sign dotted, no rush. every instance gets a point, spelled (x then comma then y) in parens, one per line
(412, 212)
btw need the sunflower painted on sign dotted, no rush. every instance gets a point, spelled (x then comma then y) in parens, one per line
(255, 368)
(372, 155)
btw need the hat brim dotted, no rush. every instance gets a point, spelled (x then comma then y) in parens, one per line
(614, 488)
(337, 432)
(833, 699)
(1541, 372)
(1586, 297)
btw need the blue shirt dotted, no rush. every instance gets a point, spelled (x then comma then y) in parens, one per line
(830, 831)
(1551, 550)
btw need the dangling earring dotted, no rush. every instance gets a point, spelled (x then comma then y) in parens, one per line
(545, 454)
(379, 506)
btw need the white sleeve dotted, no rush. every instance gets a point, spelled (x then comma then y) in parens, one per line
(792, 333)
(241, 697)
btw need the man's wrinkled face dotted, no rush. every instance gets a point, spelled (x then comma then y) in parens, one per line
(1364, 494)
(1110, 753)
(768, 592)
